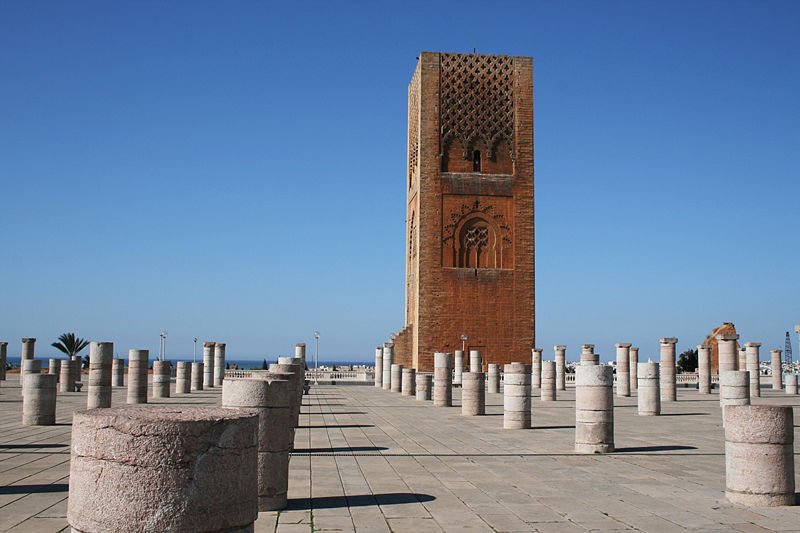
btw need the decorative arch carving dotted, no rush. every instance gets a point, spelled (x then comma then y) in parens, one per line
(477, 237)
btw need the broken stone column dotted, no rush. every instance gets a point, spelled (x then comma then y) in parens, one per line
(117, 373)
(409, 387)
(473, 394)
(741, 363)
(296, 368)
(219, 363)
(442, 380)
(759, 455)
(561, 366)
(161, 379)
(734, 389)
(493, 378)
(633, 365)
(66, 382)
(272, 399)
(197, 376)
(397, 378)
(667, 380)
(517, 396)
(388, 356)
(649, 394)
(77, 367)
(752, 364)
(28, 366)
(300, 352)
(157, 469)
(39, 402)
(3, 359)
(594, 409)
(791, 383)
(54, 368)
(100, 357)
(424, 386)
(587, 355)
(208, 364)
(536, 368)
(704, 368)
(379, 367)
(726, 346)
(475, 361)
(777, 369)
(548, 388)
(27, 354)
(138, 361)
(458, 366)
(183, 377)
(623, 369)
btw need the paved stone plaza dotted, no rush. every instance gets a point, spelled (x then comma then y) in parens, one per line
(371, 460)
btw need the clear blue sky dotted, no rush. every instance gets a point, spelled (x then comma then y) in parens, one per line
(235, 170)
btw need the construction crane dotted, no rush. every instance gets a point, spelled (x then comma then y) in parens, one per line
(787, 352)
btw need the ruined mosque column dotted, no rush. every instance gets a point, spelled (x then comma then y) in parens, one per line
(208, 364)
(704, 369)
(475, 361)
(458, 366)
(669, 392)
(728, 359)
(561, 363)
(752, 364)
(623, 369)
(493, 378)
(442, 379)
(424, 386)
(219, 363)
(183, 377)
(379, 367)
(138, 361)
(649, 393)
(536, 368)
(594, 409)
(548, 388)
(388, 356)
(409, 385)
(633, 365)
(777, 369)
(101, 355)
(587, 355)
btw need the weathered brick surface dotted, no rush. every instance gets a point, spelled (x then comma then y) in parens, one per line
(451, 206)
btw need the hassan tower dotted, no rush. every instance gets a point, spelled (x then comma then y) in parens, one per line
(470, 217)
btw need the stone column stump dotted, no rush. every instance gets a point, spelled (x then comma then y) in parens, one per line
(272, 399)
(752, 365)
(219, 363)
(458, 367)
(67, 381)
(759, 455)
(388, 356)
(493, 378)
(161, 379)
(117, 372)
(473, 394)
(475, 361)
(379, 367)
(442, 380)
(409, 382)
(587, 355)
(39, 402)
(28, 366)
(158, 469)
(101, 355)
(726, 347)
(536, 368)
(424, 386)
(183, 377)
(791, 383)
(594, 409)
(516, 396)
(197, 376)
(54, 367)
(208, 364)
(704, 369)
(649, 394)
(561, 366)
(138, 361)
(548, 392)
(396, 378)
(633, 365)
(667, 380)
(734, 389)
(776, 366)
(623, 369)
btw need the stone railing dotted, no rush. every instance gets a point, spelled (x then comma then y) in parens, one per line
(337, 375)
(241, 373)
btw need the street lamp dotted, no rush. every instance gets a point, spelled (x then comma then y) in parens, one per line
(316, 359)
(463, 341)
(162, 352)
(195, 349)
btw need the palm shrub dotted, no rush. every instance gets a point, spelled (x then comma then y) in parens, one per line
(70, 344)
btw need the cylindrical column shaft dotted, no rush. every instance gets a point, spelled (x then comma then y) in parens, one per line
(633, 365)
(3, 359)
(623, 369)
(183, 377)
(594, 409)
(29, 366)
(77, 367)
(161, 379)
(548, 388)
(777, 369)
(517, 396)
(667, 380)
(791, 383)
(39, 402)
(138, 361)
(587, 355)
(67, 378)
(475, 361)
(208, 364)
(493, 378)
(561, 366)
(458, 366)
(734, 389)
(536, 368)
(473, 394)
(379, 367)
(388, 356)
(396, 375)
(409, 385)
(752, 365)
(726, 348)
(704, 368)
(219, 363)
(649, 393)
(117, 373)
(759, 455)
(100, 357)
(424, 386)
(28, 348)
(442, 380)
(741, 363)
(54, 367)
(197, 376)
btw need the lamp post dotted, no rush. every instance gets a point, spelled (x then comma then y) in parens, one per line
(195, 349)
(463, 341)
(797, 330)
(162, 351)
(316, 359)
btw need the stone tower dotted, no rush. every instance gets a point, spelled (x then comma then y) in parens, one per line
(470, 219)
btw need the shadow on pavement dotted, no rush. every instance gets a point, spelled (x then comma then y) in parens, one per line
(34, 489)
(360, 500)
